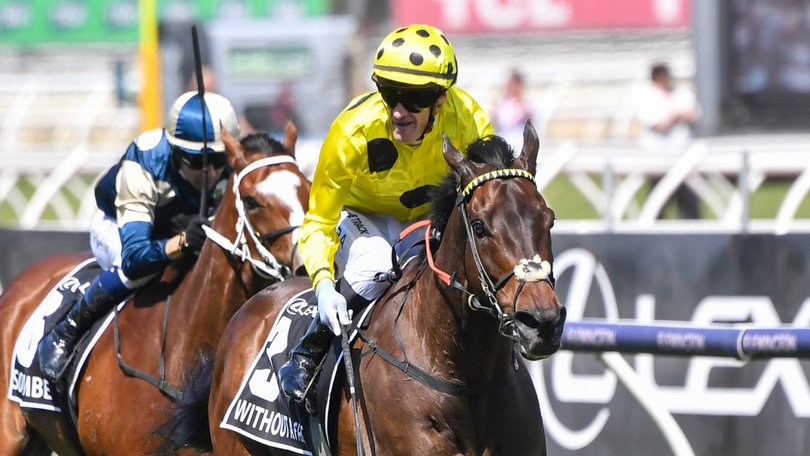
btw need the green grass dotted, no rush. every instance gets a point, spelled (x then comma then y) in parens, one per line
(766, 200)
(7, 215)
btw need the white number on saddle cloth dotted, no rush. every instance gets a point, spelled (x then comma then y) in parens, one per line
(263, 382)
(27, 386)
(26, 347)
(259, 411)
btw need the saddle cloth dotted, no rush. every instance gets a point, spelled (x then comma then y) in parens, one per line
(260, 411)
(28, 387)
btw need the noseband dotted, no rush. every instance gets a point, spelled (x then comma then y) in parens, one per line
(268, 267)
(527, 270)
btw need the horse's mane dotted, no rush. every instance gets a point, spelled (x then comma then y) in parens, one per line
(491, 150)
(262, 142)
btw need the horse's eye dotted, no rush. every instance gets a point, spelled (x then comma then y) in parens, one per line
(251, 203)
(479, 228)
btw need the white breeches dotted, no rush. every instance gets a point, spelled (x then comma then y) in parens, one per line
(105, 243)
(366, 242)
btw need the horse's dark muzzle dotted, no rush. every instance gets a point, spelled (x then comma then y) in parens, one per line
(539, 333)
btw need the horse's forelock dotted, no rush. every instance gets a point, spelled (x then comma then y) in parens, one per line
(491, 150)
(262, 142)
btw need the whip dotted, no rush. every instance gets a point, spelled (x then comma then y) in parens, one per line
(347, 359)
(201, 94)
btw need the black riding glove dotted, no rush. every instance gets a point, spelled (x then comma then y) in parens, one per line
(194, 234)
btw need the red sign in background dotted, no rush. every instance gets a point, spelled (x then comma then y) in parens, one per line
(490, 16)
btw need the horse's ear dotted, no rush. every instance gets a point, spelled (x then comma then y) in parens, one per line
(466, 169)
(451, 154)
(290, 137)
(234, 149)
(455, 159)
(531, 145)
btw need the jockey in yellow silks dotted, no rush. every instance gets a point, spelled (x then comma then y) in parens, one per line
(378, 161)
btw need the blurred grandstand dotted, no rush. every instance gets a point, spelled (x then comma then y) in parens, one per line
(70, 110)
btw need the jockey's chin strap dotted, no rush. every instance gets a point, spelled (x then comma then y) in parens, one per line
(268, 267)
(527, 270)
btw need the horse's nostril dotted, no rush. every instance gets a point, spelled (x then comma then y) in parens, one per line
(546, 319)
(526, 319)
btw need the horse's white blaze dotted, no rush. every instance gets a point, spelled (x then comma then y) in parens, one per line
(284, 185)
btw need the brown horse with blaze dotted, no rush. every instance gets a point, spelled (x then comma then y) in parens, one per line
(117, 414)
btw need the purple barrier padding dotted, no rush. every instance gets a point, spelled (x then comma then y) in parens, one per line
(776, 342)
(740, 343)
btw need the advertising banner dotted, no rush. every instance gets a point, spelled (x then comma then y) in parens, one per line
(88, 21)
(506, 16)
(720, 405)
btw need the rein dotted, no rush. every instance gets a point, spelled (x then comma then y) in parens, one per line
(269, 267)
(423, 377)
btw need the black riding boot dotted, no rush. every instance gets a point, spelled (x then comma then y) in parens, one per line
(297, 373)
(56, 348)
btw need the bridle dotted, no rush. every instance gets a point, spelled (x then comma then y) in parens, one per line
(269, 267)
(527, 270)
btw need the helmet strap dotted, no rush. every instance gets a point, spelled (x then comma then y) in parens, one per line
(431, 120)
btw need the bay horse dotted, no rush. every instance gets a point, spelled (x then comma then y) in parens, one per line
(460, 321)
(254, 234)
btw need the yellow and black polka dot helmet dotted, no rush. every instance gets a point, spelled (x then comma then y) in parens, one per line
(416, 55)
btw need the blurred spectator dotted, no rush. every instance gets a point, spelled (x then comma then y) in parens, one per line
(511, 110)
(667, 115)
(283, 109)
(274, 117)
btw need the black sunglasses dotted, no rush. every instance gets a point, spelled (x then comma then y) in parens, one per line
(414, 100)
(195, 161)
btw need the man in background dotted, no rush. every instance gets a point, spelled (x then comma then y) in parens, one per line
(667, 116)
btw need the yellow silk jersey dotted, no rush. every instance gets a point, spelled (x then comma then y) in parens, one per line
(362, 167)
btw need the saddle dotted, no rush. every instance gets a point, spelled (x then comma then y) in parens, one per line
(260, 411)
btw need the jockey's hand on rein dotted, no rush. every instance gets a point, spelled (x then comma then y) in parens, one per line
(331, 306)
(194, 236)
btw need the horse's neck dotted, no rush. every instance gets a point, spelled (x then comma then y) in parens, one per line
(448, 331)
(210, 294)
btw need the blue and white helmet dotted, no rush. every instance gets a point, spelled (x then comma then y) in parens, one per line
(185, 130)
